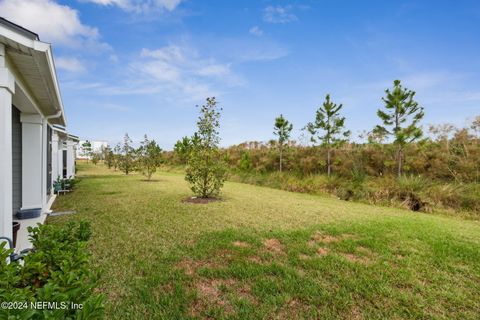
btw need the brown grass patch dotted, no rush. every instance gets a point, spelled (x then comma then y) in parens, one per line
(190, 267)
(210, 293)
(241, 244)
(245, 292)
(318, 237)
(273, 245)
(322, 251)
(355, 313)
(356, 259)
(256, 259)
(292, 310)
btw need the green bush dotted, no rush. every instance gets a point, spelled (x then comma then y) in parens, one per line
(57, 271)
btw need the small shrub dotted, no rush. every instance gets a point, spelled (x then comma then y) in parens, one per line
(57, 270)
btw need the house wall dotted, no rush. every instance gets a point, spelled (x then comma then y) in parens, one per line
(70, 163)
(33, 165)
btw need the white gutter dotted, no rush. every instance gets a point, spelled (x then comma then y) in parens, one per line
(54, 116)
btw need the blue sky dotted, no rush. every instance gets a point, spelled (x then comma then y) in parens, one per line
(142, 66)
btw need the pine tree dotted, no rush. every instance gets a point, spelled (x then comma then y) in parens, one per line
(127, 158)
(328, 129)
(400, 119)
(282, 129)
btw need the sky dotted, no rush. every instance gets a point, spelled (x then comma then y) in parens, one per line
(142, 67)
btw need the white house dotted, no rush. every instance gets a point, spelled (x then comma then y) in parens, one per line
(35, 148)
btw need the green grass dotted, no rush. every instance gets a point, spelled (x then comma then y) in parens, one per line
(269, 254)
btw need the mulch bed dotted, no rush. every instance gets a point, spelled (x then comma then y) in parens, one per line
(196, 200)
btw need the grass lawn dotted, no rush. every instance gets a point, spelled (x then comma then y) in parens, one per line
(269, 254)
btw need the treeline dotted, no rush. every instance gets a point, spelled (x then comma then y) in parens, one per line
(396, 162)
(125, 157)
(440, 172)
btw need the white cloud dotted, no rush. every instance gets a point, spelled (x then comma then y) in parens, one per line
(69, 64)
(55, 23)
(177, 71)
(139, 6)
(279, 14)
(214, 70)
(256, 31)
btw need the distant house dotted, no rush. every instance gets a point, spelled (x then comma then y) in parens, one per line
(97, 147)
(35, 147)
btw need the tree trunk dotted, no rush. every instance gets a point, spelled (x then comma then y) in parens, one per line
(400, 161)
(281, 158)
(329, 162)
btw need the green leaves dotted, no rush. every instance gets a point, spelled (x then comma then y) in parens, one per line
(58, 270)
(126, 158)
(149, 157)
(206, 170)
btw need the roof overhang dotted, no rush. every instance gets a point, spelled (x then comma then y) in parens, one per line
(63, 133)
(32, 61)
(73, 138)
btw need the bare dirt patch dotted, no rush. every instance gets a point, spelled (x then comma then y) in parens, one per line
(196, 200)
(273, 245)
(356, 313)
(190, 267)
(322, 251)
(245, 292)
(292, 310)
(241, 244)
(318, 237)
(210, 292)
(356, 259)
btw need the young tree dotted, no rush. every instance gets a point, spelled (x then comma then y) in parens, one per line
(328, 129)
(127, 159)
(400, 119)
(116, 156)
(109, 157)
(282, 129)
(87, 149)
(96, 156)
(150, 157)
(206, 170)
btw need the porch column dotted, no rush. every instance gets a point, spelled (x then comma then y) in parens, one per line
(44, 144)
(60, 159)
(7, 89)
(55, 163)
(70, 159)
(32, 164)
